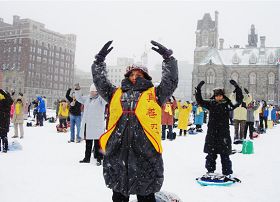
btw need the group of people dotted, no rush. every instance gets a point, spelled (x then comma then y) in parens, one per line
(176, 114)
(126, 124)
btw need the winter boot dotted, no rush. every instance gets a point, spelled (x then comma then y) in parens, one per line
(85, 161)
(98, 163)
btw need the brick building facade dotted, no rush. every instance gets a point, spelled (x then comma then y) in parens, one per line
(35, 60)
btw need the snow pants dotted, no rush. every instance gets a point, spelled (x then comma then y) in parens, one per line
(40, 118)
(263, 119)
(170, 131)
(118, 197)
(239, 129)
(225, 160)
(20, 126)
(4, 141)
(97, 154)
(249, 125)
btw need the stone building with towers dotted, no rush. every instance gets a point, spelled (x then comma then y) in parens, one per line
(255, 66)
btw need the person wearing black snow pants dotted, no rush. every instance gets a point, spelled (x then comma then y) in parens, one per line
(218, 140)
(5, 106)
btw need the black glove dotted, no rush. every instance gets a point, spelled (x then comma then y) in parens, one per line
(163, 51)
(201, 83)
(243, 104)
(246, 90)
(100, 57)
(234, 83)
(21, 94)
(13, 93)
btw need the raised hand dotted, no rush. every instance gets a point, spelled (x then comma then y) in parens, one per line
(246, 90)
(162, 50)
(234, 83)
(100, 57)
(201, 83)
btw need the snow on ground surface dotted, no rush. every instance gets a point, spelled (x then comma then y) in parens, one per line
(47, 169)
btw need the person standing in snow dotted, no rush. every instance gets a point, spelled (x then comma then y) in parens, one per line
(218, 140)
(240, 117)
(75, 116)
(41, 108)
(167, 118)
(263, 117)
(184, 116)
(93, 122)
(251, 108)
(5, 106)
(198, 117)
(63, 114)
(18, 117)
(132, 144)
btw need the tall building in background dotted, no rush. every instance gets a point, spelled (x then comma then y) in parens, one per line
(35, 60)
(116, 72)
(255, 66)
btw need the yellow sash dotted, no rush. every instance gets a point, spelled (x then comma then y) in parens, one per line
(168, 109)
(2, 97)
(147, 111)
(18, 108)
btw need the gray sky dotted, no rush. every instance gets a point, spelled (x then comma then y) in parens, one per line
(133, 24)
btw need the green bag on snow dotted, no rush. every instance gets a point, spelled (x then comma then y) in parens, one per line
(247, 147)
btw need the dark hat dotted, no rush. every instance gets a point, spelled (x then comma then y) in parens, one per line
(219, 91)
(144, 69)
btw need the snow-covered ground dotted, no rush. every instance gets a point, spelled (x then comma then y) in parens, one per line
(47, 169)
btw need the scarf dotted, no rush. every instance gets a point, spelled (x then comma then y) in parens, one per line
(199, 110)
(141, 85)
(2, 97)
(168, 109)
(18, 108)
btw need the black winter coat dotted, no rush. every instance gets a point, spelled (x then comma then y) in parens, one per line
(218, 140)
(131, 163)
(74, 110)
(5, 108)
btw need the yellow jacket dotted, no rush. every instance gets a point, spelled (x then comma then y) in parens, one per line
(63, 111)
(184, 115)
(240, 113)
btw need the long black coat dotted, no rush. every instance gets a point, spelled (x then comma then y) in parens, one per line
(5, 108)
(131, 163)
(218, 140)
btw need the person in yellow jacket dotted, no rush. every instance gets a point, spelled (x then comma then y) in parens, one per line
(132, 144)
(18, 117)
(63, 113)
(183, 117)
(240, 117)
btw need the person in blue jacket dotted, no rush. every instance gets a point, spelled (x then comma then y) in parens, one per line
(41, 110)
(198, 112)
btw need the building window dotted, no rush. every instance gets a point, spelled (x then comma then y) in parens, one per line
(252, 78)
(235, 59)
(234, 76)
(271, 59)
(253, 59)
(210, 76)
(271, 78)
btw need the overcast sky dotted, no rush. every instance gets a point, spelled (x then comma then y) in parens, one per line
(133, 24)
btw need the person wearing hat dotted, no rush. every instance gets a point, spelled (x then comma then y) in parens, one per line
(93, 122)
(5, 106)
(75, 116)
(218, 140)
(132, 144)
